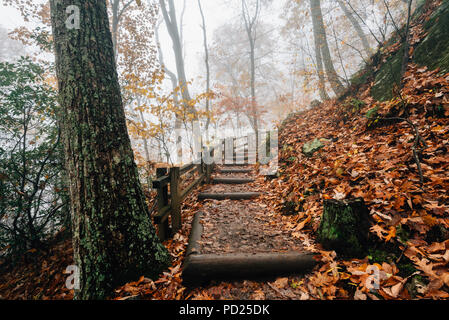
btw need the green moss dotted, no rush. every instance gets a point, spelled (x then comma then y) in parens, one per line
(379, 256)
(344, 227)
(387, 76)
(406, 269)
(372, 113)
(433, 51)
(361, 77)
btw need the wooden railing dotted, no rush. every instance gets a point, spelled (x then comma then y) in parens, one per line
(167, 213)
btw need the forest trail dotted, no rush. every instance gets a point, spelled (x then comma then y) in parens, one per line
(236, 237)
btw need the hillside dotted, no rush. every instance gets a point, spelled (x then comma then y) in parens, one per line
(393, 154)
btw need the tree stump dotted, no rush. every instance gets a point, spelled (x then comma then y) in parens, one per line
(344, 226)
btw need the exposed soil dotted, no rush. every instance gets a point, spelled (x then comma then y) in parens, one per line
(229, 188)
(232, 226)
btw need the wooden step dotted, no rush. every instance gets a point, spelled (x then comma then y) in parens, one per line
(236, 170)
(232, 180)
(198, 269)
(230, 196)
(236, 164)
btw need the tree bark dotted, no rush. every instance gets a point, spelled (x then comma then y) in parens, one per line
(114, 240)
(406, 57)
(319, 33)
(320, 72)
(344, 227)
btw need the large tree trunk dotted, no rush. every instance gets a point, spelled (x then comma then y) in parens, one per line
(114, 240)
(319, 33)
(357, 27)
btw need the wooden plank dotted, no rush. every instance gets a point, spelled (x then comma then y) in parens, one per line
(236, 170)
(175, 199)
(161, 182)
(163, 230)
(232, 180)
(189, 189)
(186, 168)
(162, 215)
(231, 196)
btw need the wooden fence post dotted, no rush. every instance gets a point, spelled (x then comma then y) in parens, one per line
(163, 231)
(175, 199)
(223, 151)
(209, 167)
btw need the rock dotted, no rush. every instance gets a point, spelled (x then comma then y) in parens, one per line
(309, 148)
(344, 227)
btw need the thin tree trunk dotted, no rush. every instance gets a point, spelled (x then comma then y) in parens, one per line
(319, 33)
(174, 82)
(116, 17)
(250, 25)
(172, 27)
(357, 27)
(206, 60)
(114, 25)
(406, 57)
(320, 72)
(114, 240)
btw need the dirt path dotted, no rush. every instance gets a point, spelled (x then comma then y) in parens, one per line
(241, 226)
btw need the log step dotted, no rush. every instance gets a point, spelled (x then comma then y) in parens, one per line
(235, 170)
(232, 180)
(230, 196)
(201, 268)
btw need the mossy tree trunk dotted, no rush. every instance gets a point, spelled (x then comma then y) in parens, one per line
(113, 237)
(344, 227)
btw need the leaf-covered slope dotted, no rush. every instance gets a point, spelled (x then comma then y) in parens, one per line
(374, 159)
(429, 46)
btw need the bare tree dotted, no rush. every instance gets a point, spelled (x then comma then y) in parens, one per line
(206, 61)
(250, 20)
(322, 46)
(117, 13)
(356, 26)
(174, 82)
(172, 27)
